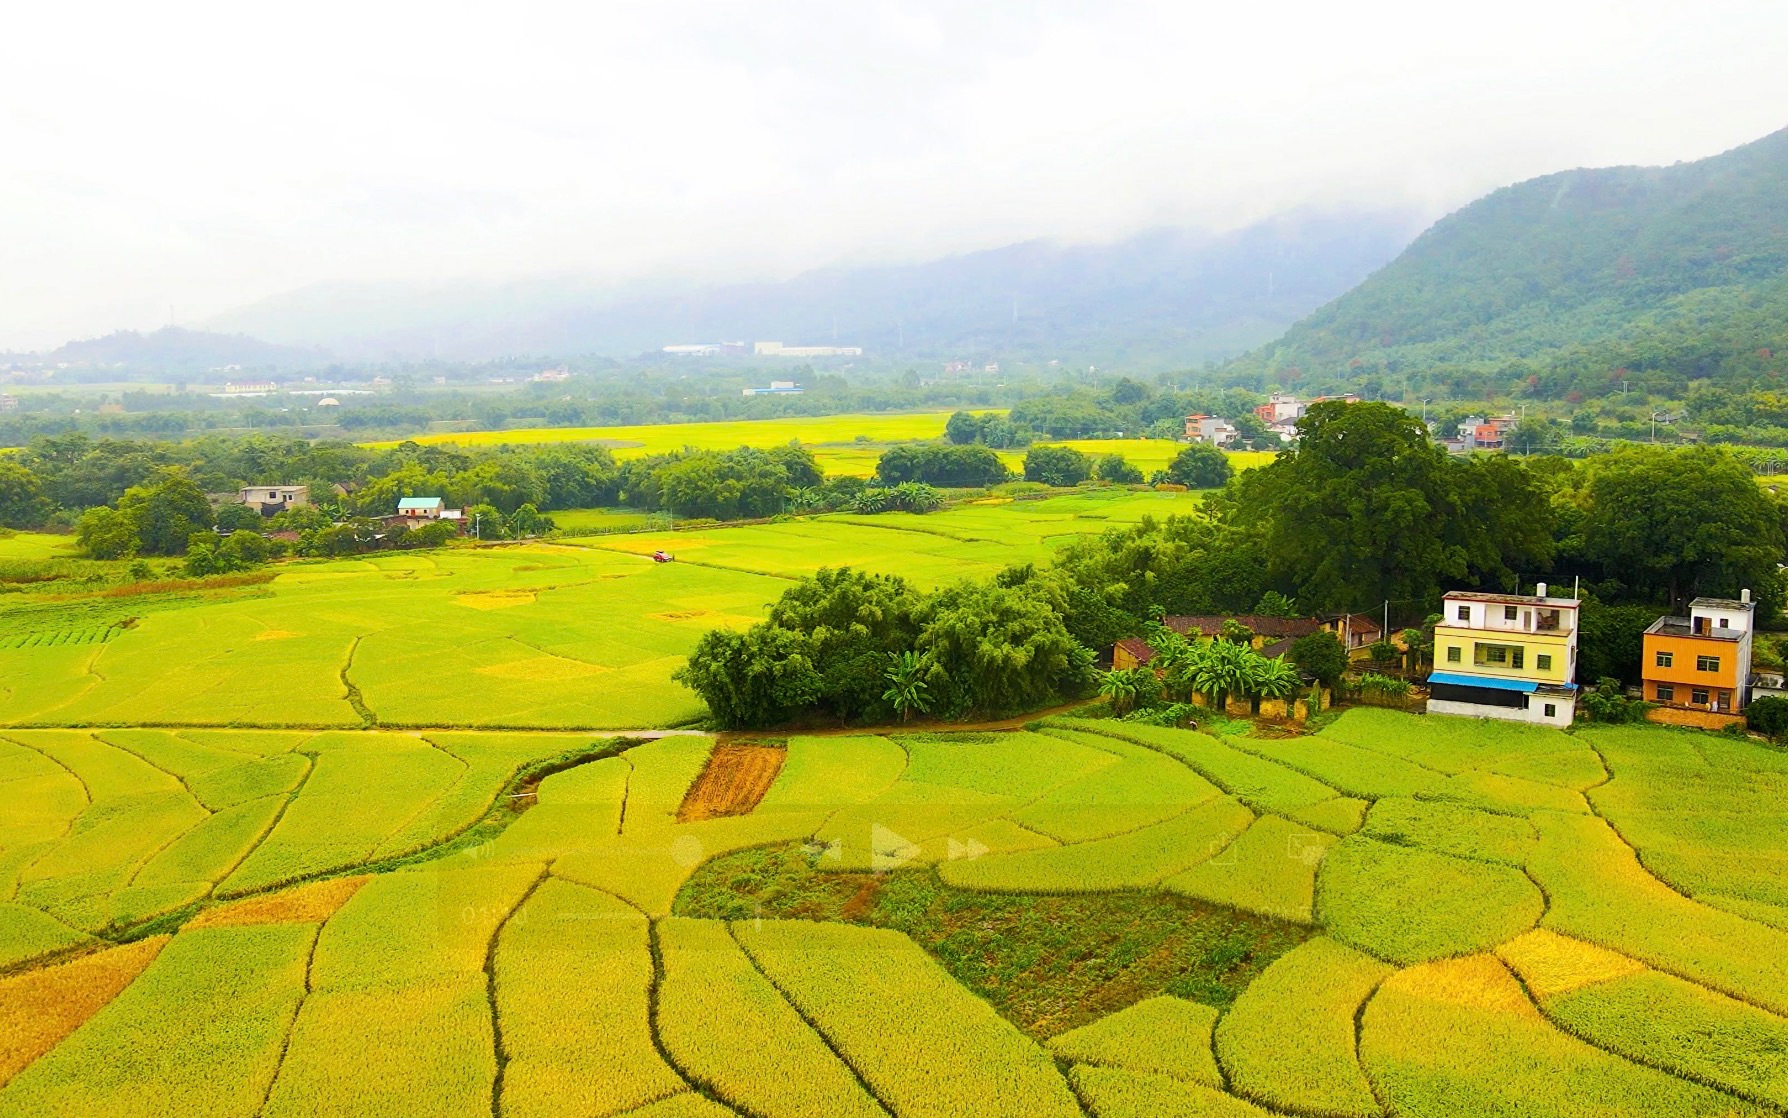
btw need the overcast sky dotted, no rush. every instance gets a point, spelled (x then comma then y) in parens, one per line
(207, 156)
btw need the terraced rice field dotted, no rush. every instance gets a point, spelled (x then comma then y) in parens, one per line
(582, 634)
(1400, 915)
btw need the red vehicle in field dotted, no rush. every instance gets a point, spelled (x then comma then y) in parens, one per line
(662, 557)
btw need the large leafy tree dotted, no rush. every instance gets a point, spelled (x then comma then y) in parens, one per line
(1056, 465)
(997, 650)
(761, 677)
(1674, 524)
(22, 503)
(853, 621)
(166, 512)
(1199, 466)
(1367, 508)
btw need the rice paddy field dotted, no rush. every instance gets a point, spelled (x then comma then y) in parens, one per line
(846, 445)
(428, 834)
(1396, 915)
(582, 633)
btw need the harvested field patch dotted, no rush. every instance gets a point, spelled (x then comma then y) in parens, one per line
(304, 904)
(276, 635)
(733, 783)
(40, 1007)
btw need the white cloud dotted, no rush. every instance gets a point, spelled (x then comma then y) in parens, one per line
(206, 156)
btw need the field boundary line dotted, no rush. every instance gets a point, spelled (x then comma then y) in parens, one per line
(79, 779)
(310, 766)
(500, 1057)
(285, 1044)
(99, 736)
(353, 696)
(825, 1038)
(1359, 1037)
(656, 950)
(626, 789)
(1639, 855)
(542, 767)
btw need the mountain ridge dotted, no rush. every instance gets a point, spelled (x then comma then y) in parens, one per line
(1162, 298)
(1590, 264)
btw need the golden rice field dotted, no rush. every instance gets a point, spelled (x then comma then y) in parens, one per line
(1398, 915)
(842, 444)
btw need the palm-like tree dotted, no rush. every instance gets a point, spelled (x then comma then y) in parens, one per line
(907, 689)
(1174, 659)
(1277, 678)
(1121, 686)
(1222, 670)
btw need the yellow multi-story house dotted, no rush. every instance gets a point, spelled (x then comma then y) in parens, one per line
(1510, 656)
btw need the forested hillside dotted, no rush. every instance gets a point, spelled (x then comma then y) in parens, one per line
(1568, 285)
(1163, 299)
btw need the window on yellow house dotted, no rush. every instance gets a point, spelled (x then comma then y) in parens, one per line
(1452, 654)
(1543, 662)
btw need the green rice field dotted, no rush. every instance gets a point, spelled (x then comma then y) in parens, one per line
(582, 633)
(1082, 918)
(421, 834)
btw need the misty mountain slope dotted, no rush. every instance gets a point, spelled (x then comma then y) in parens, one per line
(1677, 270)
(1159, 299)
(175, 349)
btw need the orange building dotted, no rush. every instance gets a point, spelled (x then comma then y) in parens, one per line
(1702, 661)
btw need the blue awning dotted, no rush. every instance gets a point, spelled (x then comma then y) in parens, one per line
(1460, 679)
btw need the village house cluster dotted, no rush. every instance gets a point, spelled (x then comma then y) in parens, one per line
(1514, 656)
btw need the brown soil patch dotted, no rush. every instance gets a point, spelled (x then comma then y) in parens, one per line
(734, 782)
(495, 599)
(302, 905)
(40, 1007)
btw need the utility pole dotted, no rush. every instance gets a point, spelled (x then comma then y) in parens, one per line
(477, 523)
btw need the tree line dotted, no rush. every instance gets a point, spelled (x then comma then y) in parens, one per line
(1365, 514)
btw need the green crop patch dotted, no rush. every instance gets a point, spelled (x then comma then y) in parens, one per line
(1159, 1036)
(1461, 1037)
(918, 1039)
(1289, 1039)
(1134, 860)
(730, 1030)
(199, 1032)
(1599, 892)
(573, 972)
(1450, 828)
(1270, 869)
(1259, 783)
(1409, 905)
(1661, 1020)
(1708, 814)
(1049, 963)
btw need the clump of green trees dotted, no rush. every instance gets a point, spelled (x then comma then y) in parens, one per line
(859, 647)
(944, 465)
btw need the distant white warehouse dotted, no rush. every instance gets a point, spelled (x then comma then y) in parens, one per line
(777, 349)
(777, 388)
